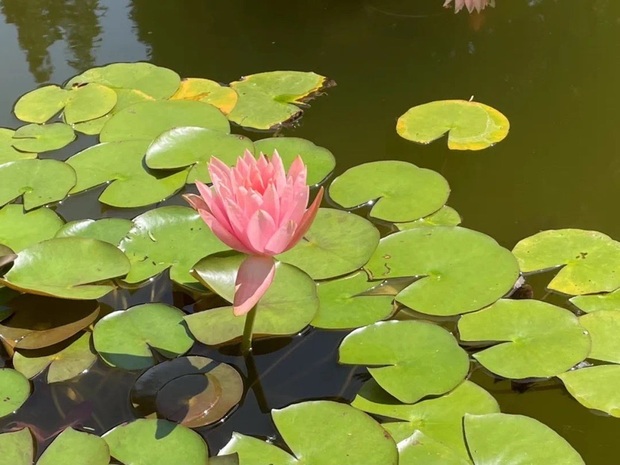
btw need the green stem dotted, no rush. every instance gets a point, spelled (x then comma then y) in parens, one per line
(246, 343)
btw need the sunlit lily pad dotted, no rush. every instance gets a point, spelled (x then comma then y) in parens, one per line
(411, 359)
(319, 433)
(594, 303)
(110, 230)
(14, 390)
(445, 216)
(590, 260)
(43, 137)
(40, 181)
(604, 328)
(124, 339)
(532, 339)
(595, 387)
(205, 90)
(460, 270)
(470, 125)
(399, 191)
(122, 163)
(503, 439)
(73, 447)
(20, 229)
(17, 448)
(39, 105)
(57, 267)
(420, 449)
(8, 152)
(156, 442)
(337, 243)
(88, 102)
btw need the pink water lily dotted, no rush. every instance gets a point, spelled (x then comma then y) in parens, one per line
(471, 5)
(257, 209)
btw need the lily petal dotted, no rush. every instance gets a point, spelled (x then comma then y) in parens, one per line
(307, 220)
(253, 279)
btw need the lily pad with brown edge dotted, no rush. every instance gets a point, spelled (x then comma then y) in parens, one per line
(58, 268)
(267, 100)
(125, 339)
(172, 237)
(454, 270)
(40, 182)
(336, 244)
(20, 229)
(205, 90)
(603, 327)
(8, 152)
(14, 390)
(72, 447)
(40, 105)
(445, 216)
(596, 302)
(110, 230)
(318, 433)
(589, 261)
(595, 387)
(65, 360)
(17, 448)
(121, 165)
(192, 391)
(529, 338)
(398, 191)
(409, 359)
(470, 125)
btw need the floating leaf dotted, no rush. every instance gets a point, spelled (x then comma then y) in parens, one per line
(57, 267)
(39, 105)
(459, 270)
(470, 125)
(17, 448)
(594, 303)
(445, 216)
(8, 152)
(73, 447)
(413, 359)
(19, 229)
(595, 387)
(88, 102)
(14, 390)
(590, 260)
(205, 90)
(124, 339)
(336, 244)
(43, 138)
(420, 449)
(603, 327)
(399, 191)
(110, 230)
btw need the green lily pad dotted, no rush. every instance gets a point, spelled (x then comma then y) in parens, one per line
(515, 440)
(14, 390)
(58, 268)
(399, 191)
(594, 303)
(205, 90)
(121, 163)
(17, 448)
(19, 229)
(603, 327)
(337, 243)
(267, 100)
(595, 387)
(156, 442)
(319, 433)
(73, 447)
(412, 359)
(110, 230)
(88, 102)
(65, 362)
(470, 125)
(445, 216)
(8, 152)
(590, 260)
(343, 308)
(168, 237)
(39, 105)
(43, 138)
(420, 449)
(532, 339)
(459, 270)
(147, 120)
(124, 339)
(40, 181)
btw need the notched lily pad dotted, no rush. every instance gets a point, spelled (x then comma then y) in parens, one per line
(43, 137)
(596, 302)
(603, 327)
(8, 152)
(20, 229)
(14, 390)
(595, 387)
(89, 101)
(73, 447)
(420, 449)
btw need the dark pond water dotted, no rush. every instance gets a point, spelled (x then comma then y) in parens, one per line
(550, 65)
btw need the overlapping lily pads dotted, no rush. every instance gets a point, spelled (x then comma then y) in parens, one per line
(110, 230)
(205, 90)
(14, 390)
(20, 229)
(445, 216)
(603, 328)
(17, 448)
(595, 387)
(73, 447)
(594, 303)
(8, 152)
(43, 137)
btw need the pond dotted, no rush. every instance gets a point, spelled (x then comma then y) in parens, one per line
(547, 65)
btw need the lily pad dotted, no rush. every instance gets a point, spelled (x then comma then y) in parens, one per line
(594, 303)
(8, 152)
(412, 359)
(515, 440)
(319, 433)
(532, 339)
(156, 442)
(595, 387)
(40, 181)
(470, 125)
(57, 267)
(420, 449)
(121, 163)
(110, 230)
(398, 191)
(14, 390)
(205, 90)
(124, 339)
(87, 102)
(20, 229)
(39, 105)
(337, 243)
(17, 448)
(43, 138)
(445, 216)
(73, 447)
(603, 327)
(459, 270)
(590, 260)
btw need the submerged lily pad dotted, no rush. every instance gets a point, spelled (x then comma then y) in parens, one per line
(532, 339)
(205, 90)
(594, 303)
(399, 191)
(412, 359)
(73, 447)
(470, 125)
(459, 270)
(39, 105)
(20, 229)
(590, 260)
(8, 152)
(14, 390)
(595, 387)
(445, 216)
(17, 448)
(603, 327)
(110, 230)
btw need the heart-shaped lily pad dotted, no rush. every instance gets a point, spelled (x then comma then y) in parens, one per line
(17, 448)
(319, 433)
(110, 230)
(8, 152)
(124, 339)
(594, 303)
(460, 270)
(603, 327)
(412, 359)
(470, 125)
(57, 267)
(20, 229)
(515, 440)
(40, 181)
(39, 105)
(532, 339)
(595, 387)
(399, 191)
(445, 216)
(590, 260)
(337, 243)
(420, 449)
(73, 447)
(205, 90)
(156, 442)
(14, 390)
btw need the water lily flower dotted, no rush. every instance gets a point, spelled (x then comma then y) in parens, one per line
(471, 5)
